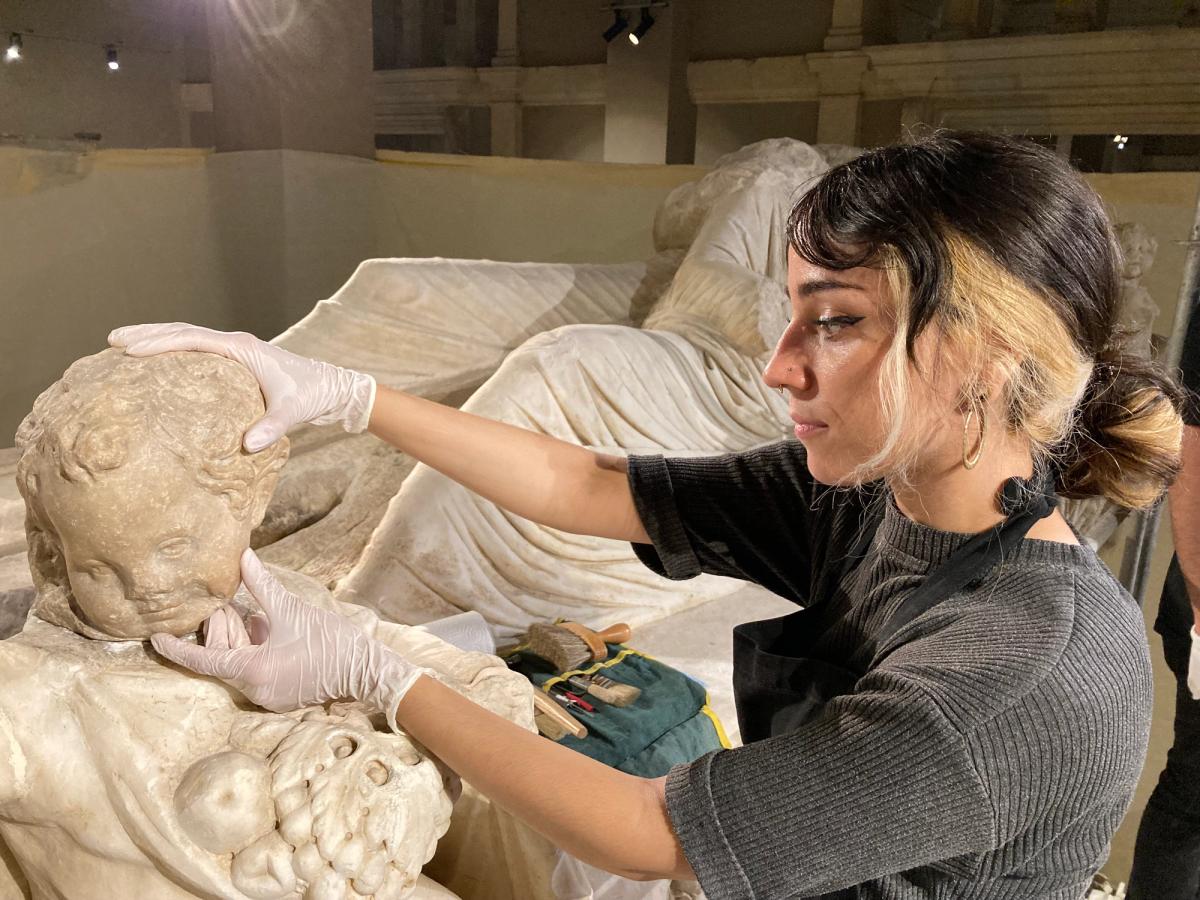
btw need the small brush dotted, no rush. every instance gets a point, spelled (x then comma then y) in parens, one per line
(613, 692)
(604, 689)
(569, 645)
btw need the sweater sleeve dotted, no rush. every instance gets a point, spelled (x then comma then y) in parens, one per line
(746, 515)
(880, 783)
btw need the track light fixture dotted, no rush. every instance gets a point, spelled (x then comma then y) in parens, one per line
(13, 53)
(646, 23)
(110, 55)
(620, 23)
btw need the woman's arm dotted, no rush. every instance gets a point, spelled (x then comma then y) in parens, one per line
(536, 476)
(609, 819)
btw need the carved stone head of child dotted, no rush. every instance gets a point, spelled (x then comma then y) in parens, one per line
(139, 495)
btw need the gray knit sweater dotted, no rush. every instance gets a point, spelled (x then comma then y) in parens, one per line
(993, 745)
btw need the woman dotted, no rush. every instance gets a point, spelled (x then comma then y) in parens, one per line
(961, 710)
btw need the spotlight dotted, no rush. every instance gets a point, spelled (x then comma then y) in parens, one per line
(13, 53)
(1120, 140)
(110, 54)
(647, 22)
(620, 23)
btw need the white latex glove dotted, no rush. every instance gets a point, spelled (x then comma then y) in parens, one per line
(1193, 679)
(295, 654)
(297, 389)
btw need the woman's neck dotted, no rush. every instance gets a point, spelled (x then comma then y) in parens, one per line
(955, 498)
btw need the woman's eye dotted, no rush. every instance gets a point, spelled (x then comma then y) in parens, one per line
(831, 325)
(173, 549)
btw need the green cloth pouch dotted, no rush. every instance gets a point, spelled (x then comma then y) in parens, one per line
(670, 723)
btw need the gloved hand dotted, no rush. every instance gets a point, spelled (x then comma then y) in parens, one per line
(297, 389)
(294, 654)
(1193, 679)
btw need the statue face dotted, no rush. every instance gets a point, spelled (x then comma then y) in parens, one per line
(146, 549)
(140, 497)
(1138, 248)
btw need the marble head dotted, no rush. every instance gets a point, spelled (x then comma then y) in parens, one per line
(139, 495)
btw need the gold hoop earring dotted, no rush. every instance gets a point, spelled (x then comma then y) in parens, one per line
(971, 462)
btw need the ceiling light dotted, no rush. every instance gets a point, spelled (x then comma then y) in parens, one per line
(110, 54)
(13, 53)
(647, 22)
(620, 23)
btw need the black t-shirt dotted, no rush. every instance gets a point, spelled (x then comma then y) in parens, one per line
(1174, 609)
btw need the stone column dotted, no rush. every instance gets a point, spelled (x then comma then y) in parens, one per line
(846, 26)
(507, 46)
(292, 76)
(649, 116)
(839, 77)
(503, 87)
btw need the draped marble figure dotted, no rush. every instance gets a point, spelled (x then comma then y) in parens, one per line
(121, 775)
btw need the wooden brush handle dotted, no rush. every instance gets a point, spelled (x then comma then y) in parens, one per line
(597, 641)
(615, 634)
(548, 707)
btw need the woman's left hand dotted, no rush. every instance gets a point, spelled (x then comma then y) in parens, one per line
(294, 654)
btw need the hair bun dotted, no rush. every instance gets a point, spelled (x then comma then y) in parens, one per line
(1127, 433)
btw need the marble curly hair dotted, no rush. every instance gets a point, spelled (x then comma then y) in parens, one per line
(194, 405)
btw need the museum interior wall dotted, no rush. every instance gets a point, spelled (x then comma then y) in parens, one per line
(124, 199)
(252, 240)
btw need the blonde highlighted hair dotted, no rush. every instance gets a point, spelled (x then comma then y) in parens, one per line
(1001, 249)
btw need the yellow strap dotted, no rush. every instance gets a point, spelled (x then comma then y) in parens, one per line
(549, 683)
(712, 714)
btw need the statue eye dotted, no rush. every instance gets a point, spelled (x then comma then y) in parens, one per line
(97, 569)
(173, 548)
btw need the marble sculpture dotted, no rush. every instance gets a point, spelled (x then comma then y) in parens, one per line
(121, 775)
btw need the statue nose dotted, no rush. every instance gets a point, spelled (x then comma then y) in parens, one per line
(148, 585)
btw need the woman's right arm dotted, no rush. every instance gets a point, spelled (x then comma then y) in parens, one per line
(538, 477)
(552, 482)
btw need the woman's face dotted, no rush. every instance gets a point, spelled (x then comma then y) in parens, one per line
(829, 362)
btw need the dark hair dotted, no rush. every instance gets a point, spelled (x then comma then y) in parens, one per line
(1029, 214)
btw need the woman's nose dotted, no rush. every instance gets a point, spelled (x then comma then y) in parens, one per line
(785, 370)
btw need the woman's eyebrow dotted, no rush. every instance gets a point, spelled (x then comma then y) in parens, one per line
(818, 285)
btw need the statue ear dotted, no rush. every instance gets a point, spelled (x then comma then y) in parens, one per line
(263, 488)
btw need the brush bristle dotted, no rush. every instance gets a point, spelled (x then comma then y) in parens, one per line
(558, 646)
(613, 692)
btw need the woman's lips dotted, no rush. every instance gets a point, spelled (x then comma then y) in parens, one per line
(808, 427)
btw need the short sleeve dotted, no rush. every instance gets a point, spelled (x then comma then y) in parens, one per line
(745, 515)
(880, 783)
